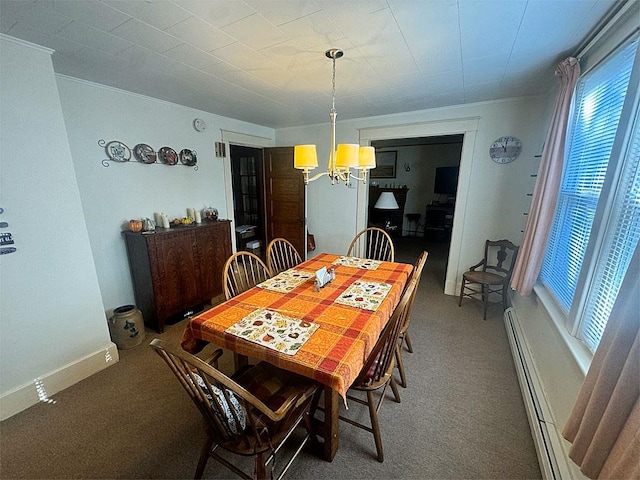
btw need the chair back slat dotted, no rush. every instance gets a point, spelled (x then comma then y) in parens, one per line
(372, 243)
(242, 271)
(281, 256)
(380, 362)
(499, 257)
(415, 275)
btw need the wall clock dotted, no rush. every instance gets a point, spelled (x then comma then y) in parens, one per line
(505, 149)
(199, 125)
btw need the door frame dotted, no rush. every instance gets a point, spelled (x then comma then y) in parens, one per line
(245, 140)
(468, 126)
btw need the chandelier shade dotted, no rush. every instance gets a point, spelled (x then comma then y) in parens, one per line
(347, 155)
(366, 158)
(341, 159)
(305, 157)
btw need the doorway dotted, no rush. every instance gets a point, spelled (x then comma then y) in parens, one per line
(467, 127)
(268, 198)
(247, 185)
(424, 185)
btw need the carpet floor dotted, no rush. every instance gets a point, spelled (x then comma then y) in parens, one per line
(462, 415)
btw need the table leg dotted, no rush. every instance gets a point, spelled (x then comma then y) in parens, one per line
(239, 361)
(331, 412)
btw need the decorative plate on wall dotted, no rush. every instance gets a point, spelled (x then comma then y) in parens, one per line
(144, 153)
(188, 157)
(118, 151)
(168, 155)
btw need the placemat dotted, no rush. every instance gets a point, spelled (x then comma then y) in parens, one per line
(357, 262)
(286, 281)
(274, 330)
(365, 295)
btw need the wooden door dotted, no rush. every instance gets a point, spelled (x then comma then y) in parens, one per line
(284, 198)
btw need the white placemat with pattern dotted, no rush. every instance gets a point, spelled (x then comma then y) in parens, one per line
(274, 330)
(365, 295)
(286, 281)
(357, 262)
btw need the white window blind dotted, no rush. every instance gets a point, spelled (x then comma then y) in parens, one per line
(598, 103)
(620, 241)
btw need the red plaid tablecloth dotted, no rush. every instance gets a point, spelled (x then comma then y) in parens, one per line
(335, 353)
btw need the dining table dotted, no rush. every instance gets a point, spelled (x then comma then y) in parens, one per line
(322, 332)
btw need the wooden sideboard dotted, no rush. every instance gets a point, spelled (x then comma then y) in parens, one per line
(175, 270)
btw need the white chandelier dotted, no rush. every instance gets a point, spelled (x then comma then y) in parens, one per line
(342, 158)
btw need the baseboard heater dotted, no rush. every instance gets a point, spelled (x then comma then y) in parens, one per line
(551, 455)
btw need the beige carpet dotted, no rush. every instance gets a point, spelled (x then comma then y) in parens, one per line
(461, 416)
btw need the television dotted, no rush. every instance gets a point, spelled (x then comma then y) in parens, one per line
(446, 182)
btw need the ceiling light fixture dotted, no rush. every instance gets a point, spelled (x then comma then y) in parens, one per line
(342, 158)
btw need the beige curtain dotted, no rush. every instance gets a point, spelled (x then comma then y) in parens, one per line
(604, 425)
(545, 194)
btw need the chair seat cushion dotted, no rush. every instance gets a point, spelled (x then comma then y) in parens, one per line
(225, 416)
(483, 277)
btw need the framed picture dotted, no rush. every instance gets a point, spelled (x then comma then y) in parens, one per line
(385, 165)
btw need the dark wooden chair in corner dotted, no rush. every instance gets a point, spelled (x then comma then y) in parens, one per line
(377, 372)
(281, 256)
(491, 274)
(242, 271)
(251, 414)
(372, 243)
(403, 337)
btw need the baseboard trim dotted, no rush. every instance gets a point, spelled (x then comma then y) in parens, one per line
(552, 456)
(41, 388)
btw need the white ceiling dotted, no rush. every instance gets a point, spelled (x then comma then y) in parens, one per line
(263, 61)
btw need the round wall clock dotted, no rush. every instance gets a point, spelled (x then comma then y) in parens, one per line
(199, 125)
(505, 149)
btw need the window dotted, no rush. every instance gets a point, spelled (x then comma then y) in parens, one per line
(597, 220)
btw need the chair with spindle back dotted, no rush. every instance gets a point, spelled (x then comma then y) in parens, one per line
(281, 256)
(372, 243)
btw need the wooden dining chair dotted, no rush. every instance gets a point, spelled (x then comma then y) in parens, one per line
(372, 243)
(242, 271)
(491, 274)
(251, 414)
(403, 337)
(377, 373)
(281, 256)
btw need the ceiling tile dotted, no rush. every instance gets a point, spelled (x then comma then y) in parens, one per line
(200, 34)
(158, 13)
(191, 56)
(255, 32)
(91, 12)
(146, 36)
(217, 13)
(92, 37)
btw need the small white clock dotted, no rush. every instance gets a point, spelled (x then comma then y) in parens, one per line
(505, 149)
(199, 125)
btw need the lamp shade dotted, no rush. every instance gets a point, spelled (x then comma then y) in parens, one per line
(367, 158)
(386, 201)
(347, 155)
(305, 157)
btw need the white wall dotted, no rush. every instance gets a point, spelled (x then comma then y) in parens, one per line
(495, 199)
(112, 195)
(51, 314)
